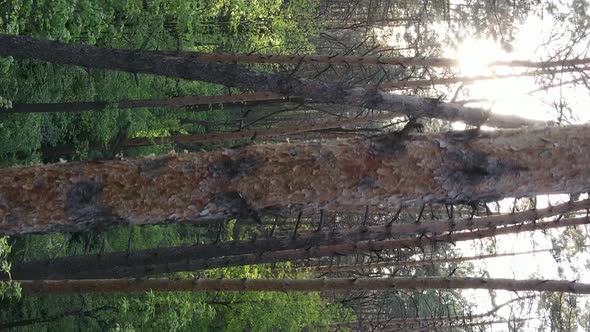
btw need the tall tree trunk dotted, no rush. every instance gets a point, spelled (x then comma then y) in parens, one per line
(387, 170)
(358, 60)
(382, 323)
(105, 286)
(255, 133)
(428, 82)
(437, 327)
(127, 104)
(464, 79)
(66, 267)
(180, 258)
(408, 263)
(235, 76)
(227, 136)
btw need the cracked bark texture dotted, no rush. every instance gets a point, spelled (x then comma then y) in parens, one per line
(135, 61)
(281, 177)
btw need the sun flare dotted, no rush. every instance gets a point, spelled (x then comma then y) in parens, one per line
(475, 56)
(507, 95)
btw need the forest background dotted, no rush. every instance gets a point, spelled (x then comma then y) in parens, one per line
(109, 129)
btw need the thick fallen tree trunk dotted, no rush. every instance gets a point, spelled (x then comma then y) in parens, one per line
(232, 75)
(383, 171)
(105, 286)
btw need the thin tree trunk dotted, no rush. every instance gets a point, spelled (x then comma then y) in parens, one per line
(327, 251)
(408, 320)
(409, 263)
(397, 322)
(65, 267)
(217, 137)
(296, 59)
(231, 75)
(387, 170)
(366, 233)
(127, 104)
(344, 249)
(105, 286)
(358, 60)
(176, 259)
(465, 79)
(438, 327)
(254, 133)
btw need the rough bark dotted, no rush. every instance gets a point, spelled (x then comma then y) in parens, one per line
(382, 171)
(105, 286)
(182, 259)
(232, 75)
(68, 266)
(128, 104)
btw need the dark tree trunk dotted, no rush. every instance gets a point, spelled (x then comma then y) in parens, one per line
(238, 99)
(105, 286)
(190, 258)
(232, 75)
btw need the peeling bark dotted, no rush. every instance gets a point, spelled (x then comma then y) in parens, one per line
(449, 168)
(104, 286)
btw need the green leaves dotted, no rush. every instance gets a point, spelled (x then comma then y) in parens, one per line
(8, 289)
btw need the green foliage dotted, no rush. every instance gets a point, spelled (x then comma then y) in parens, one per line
(261, 311)
(9, 289)
(220, 25)
(561, 310)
